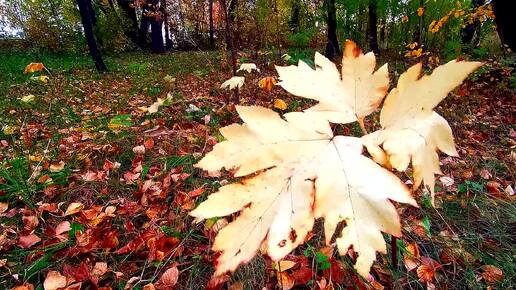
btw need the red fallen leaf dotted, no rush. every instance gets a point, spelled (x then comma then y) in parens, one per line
(170, 277)
(302, 275)
(75, 286)
(131, 246)
(34, 67)
(285, 281)
(196, 192)
(336, 272)
(30, 222)
(54, 281)
(149, 286)
(149, 143)
(410, 259)
(79, 274)
(25, 286)
(99, 269)
(28, 241)
(140, 150)
(74, 208)
(426, 271)
(491, 274)
(217, 282)
(110, 240)
(63, 227)
(493, 187)
(108, 165)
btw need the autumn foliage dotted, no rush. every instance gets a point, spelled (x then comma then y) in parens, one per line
(297, 170)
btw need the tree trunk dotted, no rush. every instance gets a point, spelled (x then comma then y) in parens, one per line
(229, 41)
(418, 37)
(87, 18)
(372, 27)
(212, 28)
(472, 29)
(505, 23)
(332, 47)
(168, 40)
(131, 31)
(156, 27)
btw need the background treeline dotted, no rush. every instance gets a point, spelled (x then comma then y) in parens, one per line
(411, 27)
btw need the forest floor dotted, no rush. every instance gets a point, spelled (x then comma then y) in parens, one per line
(98, 190)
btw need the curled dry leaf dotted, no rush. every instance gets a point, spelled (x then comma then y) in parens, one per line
(170, 277)
(56, 167)
(248, 67)
(232, 83)
(491, 274)
(140, 149)
(285, 281)
(28, 241)
(74, 208)
(426, 271)
(63, 227)
(284, 265)
(54, 281)
(34, 67)
(280, 104)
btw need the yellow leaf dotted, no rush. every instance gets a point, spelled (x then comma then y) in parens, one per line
(43, 79)
(412, 131)
(420, 11)
(343, 97)
(28, 98)
(284, 265)
(34, 67)
(54, 281)
(298, 170)
(280, 104)
(232, 83)
(56, 167)
(74, 208)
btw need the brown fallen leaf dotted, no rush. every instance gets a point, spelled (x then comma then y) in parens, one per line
(74, 208)
(54, 281)
(170, 277)
(56, 167)
(28, 241)
(426, 271)
(63, 227)
(491, 274)
(285, 281)
(25, 286)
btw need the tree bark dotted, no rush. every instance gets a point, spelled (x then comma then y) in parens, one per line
(418, 37)
(87, 19)
(505, 23)
(212, 28)
(372, 27)
(168, 40)
(229, 41)
(332, 47)
(131, 31)
(471, 30)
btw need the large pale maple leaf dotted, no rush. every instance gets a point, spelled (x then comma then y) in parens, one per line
(411, 130)
(343, 97)
(297, 171)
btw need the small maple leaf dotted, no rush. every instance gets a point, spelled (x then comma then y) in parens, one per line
(33, 67)
(343, 98)
(248, 67)
(412, 131)
(232, 83)
(306, 170)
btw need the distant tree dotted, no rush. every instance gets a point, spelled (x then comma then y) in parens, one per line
(373, 26)
(131, 28)
(505, 23)
(212, 28)
(418, 37)
(152, 17)
(229, 40)
(332, 46)
(87, 19)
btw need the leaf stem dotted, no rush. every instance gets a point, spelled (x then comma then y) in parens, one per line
(362, 126)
